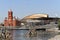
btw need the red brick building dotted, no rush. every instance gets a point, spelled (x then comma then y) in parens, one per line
(10, 20)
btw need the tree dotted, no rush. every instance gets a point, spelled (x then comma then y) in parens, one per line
(59, 24)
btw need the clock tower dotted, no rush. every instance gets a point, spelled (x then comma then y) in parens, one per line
(10, 18)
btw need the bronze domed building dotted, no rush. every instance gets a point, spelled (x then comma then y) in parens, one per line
(39, 19)
(36, 16)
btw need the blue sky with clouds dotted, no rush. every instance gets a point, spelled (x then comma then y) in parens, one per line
(22, 8)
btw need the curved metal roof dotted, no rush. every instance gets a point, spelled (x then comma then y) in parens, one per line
(36, 16)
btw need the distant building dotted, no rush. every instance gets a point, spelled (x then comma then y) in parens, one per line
(39, 19)
(36, 16)
(10, 20)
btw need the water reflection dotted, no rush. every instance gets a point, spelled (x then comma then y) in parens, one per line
(42, 35)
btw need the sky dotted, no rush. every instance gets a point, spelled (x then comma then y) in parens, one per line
(22, 8)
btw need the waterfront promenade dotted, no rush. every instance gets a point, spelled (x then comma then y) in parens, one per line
(42, 35)
(50, 34)
(48, 26)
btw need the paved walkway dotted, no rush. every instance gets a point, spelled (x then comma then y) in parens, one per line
(57, 37)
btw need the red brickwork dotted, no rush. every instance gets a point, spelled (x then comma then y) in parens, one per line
(10, 20)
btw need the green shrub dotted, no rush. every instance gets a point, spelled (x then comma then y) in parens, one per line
(59, 24)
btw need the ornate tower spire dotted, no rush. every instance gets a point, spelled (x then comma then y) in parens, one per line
(10, 14)
(10, 17)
